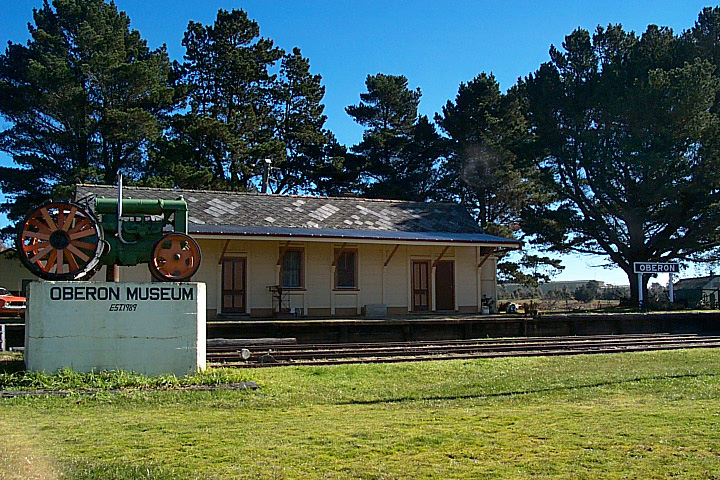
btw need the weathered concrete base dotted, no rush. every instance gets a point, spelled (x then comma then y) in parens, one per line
(149, 328)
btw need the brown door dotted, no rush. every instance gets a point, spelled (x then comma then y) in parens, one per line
(233, 285)
(444, 286)
(420, 286)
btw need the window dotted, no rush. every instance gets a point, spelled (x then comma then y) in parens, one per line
(291, 273)
(346, 269)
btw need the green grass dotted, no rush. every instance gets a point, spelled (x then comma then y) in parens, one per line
(643, 415)
(14, 377)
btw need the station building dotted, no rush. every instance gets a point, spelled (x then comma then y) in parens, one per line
(15, 277)
(699, 292)
(265, 255)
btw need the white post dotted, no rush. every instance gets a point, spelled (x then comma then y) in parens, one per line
(671, 289)
(640, 291)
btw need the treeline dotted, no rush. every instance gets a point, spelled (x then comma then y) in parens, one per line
(657, 294)
(581, 292)
(611, 148)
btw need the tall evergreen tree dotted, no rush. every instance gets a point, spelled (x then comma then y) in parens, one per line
(300, 125)
(231, 122)
(395, 166)
(627, 135)
(485, 171)
(486, 129)
(339, 171)
(418, 172)
(84, 98)
(703, 39)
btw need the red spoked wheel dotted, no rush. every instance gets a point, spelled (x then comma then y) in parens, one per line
(60, 241)
(175, 258)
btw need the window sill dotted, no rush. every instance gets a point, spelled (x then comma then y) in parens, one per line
(293, 289)
(346, 289)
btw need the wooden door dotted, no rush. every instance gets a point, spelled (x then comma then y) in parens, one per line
(420, 286)
(445, 286)
(233, 285)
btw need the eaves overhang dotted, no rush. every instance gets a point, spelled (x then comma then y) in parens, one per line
(348, 235)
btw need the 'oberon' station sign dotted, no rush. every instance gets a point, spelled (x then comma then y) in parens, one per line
(655, 267)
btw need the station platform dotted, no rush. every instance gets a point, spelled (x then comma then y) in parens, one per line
(440, 327)
(462, 326)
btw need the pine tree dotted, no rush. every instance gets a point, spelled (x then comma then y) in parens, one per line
(486, 129)
(486, 173)
(400, 151)
(231, 122)
(300, 125)
(626, 136)
(84, 98)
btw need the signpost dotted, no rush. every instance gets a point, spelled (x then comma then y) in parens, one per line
(655, 267)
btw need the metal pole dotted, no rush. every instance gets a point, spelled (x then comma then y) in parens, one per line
(640, 291)
(265, 175)
(112, 273)
(671, 289)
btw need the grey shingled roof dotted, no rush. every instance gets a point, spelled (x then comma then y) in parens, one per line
(292, 215)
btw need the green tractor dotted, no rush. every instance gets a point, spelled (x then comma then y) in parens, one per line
(69, 241)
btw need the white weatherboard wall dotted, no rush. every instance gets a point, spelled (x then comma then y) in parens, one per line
(149, 328)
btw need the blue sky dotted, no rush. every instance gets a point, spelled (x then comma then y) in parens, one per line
(435, 44)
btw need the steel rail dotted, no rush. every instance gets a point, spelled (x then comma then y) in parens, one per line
(324, 354)
(505, 340)
(377, 352)
(310, 351)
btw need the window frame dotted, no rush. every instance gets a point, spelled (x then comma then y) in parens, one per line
(338, 252)
(281, 283)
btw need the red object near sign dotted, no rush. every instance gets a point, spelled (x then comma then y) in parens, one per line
(11, 304)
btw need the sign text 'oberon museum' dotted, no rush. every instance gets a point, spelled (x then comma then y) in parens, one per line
(124, 293)
(146, 328)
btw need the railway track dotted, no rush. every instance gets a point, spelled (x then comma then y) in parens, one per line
(335, 354)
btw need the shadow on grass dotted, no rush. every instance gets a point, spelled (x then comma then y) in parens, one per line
(11, 366)
(557, 388)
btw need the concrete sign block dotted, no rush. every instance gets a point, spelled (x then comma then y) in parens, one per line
(149, 328)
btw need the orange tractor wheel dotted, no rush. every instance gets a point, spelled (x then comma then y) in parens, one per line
(60, 241)
(175, 258)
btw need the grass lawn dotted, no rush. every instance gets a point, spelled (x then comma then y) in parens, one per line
(641, 415)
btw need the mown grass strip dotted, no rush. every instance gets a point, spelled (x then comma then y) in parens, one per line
(644, 415)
